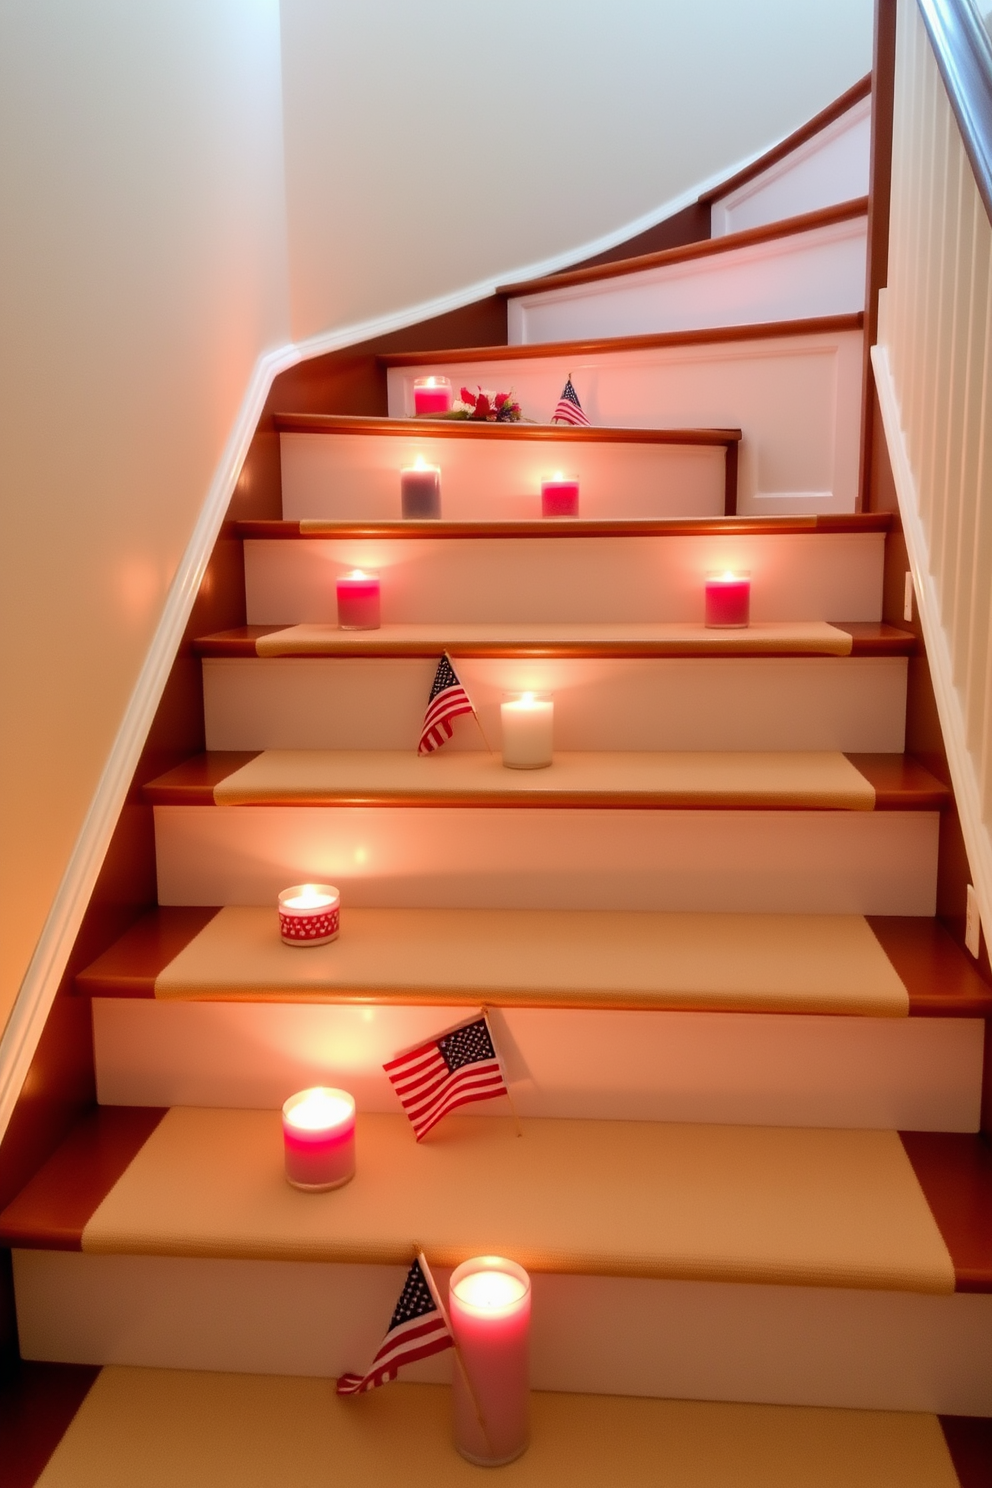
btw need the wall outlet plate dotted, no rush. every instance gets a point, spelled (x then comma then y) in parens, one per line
(907, 597)
(972, 922)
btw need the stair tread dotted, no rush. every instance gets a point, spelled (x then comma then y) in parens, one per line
(605, 345)
(823, 780)
(787, 227)
(568, 527)
(386, 951)
(338, 423)
(853, 638)
(765, 1205)
(223, 1430)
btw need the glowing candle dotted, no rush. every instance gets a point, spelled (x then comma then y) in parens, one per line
(560, 496)
(318, 1130)
(309, 914)
(728, 601)
(420, 491)
(431, 395)
(489, 1307)
(358, 601)
(528, 722)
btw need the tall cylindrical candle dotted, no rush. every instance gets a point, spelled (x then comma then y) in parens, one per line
(309, 914)
(528, 722)
(728, 601)
(431, 395)
(489, 1307)
(318, 1128)
(420, 492)
(358, 601)
(560, 496)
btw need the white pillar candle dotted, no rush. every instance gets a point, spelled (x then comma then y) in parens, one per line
(420, 491)
(528, 722)
(318, 1130)
(309, 914)
(489, 1307)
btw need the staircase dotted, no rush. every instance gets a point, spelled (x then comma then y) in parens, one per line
(746, 1056)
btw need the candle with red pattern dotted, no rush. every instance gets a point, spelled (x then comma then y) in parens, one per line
(309, 914)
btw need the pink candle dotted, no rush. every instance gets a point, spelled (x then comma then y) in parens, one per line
(728, 601)
(318, 1129)
(431, 395)
(309, 914)
(560, 496)
(489, 1307)
(358, 601)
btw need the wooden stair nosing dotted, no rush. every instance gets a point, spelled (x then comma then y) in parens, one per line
(281, 528)
(940, 979)
(762, 330)
(788, 227)
(868, 639)
(37, 1403)
(51, 1212)
(339, 423)
(899, 781)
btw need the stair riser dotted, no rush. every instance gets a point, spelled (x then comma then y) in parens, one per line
(737, 1068)
(821, 862)
(855, 704)
(821, 272)
(357, 477)
(695, 1340)
(830, 576)
(798, 400)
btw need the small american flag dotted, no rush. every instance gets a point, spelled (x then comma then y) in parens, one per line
(448, 698)
(418, 1328)
(569, 409)
(453, 1070)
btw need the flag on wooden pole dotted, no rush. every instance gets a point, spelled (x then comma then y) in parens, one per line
(418, 1328)
(569, 409)
(448, 698)
(453, 1070)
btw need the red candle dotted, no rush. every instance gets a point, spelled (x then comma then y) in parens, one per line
(728, 601)
(309, 914)
(318, 1129)
(431, 395)
(489, 1307)
(560, 496)
(358, 601)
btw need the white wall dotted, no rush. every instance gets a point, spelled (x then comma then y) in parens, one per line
(434, 145)
(142, 271)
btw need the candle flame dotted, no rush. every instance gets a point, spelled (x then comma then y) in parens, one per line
(318, 1110)
(728, 577)
(420, 463)
(311, 896)
(490, 1291)
(358, 573)
(558, 475)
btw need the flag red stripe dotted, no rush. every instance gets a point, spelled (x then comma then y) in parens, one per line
(488, 1085)
(421, 1101)
(423, 1128)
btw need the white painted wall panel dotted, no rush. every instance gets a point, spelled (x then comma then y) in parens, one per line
(852, 704)
(797, 399)
(827, 576)
(829, 862)
(830, 168)
(821, 272)
(357, 477)
(751, 1068)
(683, 1340)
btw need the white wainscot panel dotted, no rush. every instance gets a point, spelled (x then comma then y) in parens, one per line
(818, 862)
(797, 399)
(683, 1340)
(829, 576)
(750, 1068)
(855, 704)
(820, 272)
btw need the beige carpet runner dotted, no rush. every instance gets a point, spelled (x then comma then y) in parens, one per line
(710, 1203)
(548, 958)
(813, 780)
(169, 1429)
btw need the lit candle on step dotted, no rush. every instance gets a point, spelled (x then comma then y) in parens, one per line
(728, 601)
(560, 496)
(489, 1307)
(309, 914)
(358, 601)
(528, 723)
(318, 1129)
(431, 395)
(420, 491)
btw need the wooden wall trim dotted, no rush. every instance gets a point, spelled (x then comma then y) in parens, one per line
(879, 202)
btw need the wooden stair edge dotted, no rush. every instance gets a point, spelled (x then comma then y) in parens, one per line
(340, 423)
(803, 222)
(603, 346)
(316, 529)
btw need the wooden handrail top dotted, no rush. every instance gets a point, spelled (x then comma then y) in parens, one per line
(275, 529)
(788, 227)
(963, 49)
(334, 423)
(762, 331)
(836, 110)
